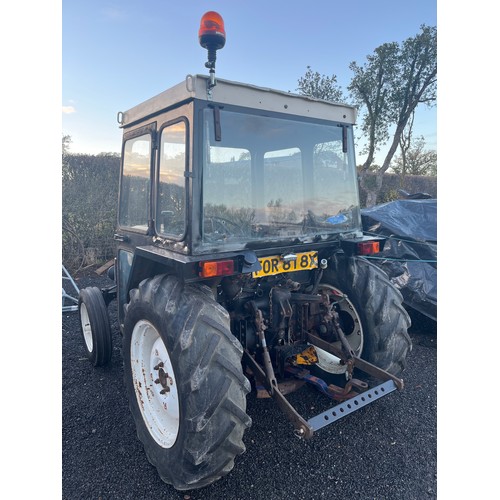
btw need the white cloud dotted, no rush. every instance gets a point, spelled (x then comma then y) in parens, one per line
(68, 110)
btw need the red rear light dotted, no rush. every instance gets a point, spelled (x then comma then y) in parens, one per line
(214, 268)
(368, 247)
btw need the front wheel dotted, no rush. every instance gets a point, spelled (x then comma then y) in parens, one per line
(184, 381)
(95, 327)
(371, 315)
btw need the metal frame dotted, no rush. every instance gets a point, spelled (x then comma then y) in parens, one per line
(65, 295)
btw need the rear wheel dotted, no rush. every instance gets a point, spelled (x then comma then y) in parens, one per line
(184, 381)
(371, 315)
(94, 322)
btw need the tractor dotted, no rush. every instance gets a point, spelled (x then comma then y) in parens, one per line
(241, 265)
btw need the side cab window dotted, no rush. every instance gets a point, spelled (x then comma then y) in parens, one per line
(171, 193)
(135, 184)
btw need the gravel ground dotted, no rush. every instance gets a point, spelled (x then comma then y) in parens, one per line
(384, 451)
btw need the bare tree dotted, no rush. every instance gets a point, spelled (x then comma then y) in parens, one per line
(405, 143)
(416, 160)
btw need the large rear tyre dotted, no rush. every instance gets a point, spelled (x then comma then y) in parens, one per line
(371, 314)
(184, 381)
(95, 327)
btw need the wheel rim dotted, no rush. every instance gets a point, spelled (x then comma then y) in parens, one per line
(352, 327)
(154, 383)
(86, 327)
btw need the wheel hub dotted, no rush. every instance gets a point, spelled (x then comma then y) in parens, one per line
(351, 324)
(164, 379)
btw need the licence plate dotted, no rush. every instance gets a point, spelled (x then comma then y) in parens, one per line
(276, 265)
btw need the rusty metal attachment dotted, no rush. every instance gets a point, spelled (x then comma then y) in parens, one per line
(301, 426)
(260, 326)
(285, 387)
(353, 396)
(292, 361)
(331, 390)
(359, 363)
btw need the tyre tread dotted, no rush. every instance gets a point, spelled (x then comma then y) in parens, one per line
(380, 304)
(196, 330)
(101, 330)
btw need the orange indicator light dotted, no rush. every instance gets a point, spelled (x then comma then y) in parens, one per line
(211, 269)
(368, 247)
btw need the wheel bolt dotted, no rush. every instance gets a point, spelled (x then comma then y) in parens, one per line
(157, 381)
(158, 366)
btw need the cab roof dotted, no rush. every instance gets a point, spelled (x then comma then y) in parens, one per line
(239, 94)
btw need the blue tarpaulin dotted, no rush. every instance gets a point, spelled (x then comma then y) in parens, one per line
(410, 254)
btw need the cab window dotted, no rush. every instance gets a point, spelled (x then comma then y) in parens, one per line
(171, 195)
(135, 183)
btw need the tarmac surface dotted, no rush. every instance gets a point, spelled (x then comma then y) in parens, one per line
(385, 451)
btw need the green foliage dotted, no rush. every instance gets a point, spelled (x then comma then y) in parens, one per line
(312, 84)
(390, 195)
(370, 88)
(66, 141)
(387, 88)
(391, 84)
(89, 202)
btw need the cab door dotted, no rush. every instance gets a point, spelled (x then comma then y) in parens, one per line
(135, 208)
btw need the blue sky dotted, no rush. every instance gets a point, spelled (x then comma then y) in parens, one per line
(116, 54)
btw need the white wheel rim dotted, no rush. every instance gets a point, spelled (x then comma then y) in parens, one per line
(329, 362)
(86, 327)
(155, 385)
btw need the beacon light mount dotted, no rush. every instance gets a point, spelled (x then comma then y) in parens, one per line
(212, 36)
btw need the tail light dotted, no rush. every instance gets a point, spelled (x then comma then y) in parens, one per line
(214, 268)
(368, 247)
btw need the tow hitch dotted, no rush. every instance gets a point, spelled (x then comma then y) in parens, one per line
(355, 395)
(330, 390)
(351, 405)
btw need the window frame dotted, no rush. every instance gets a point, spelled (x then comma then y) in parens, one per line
(171, 236)
(150, 130)
(200, 245)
